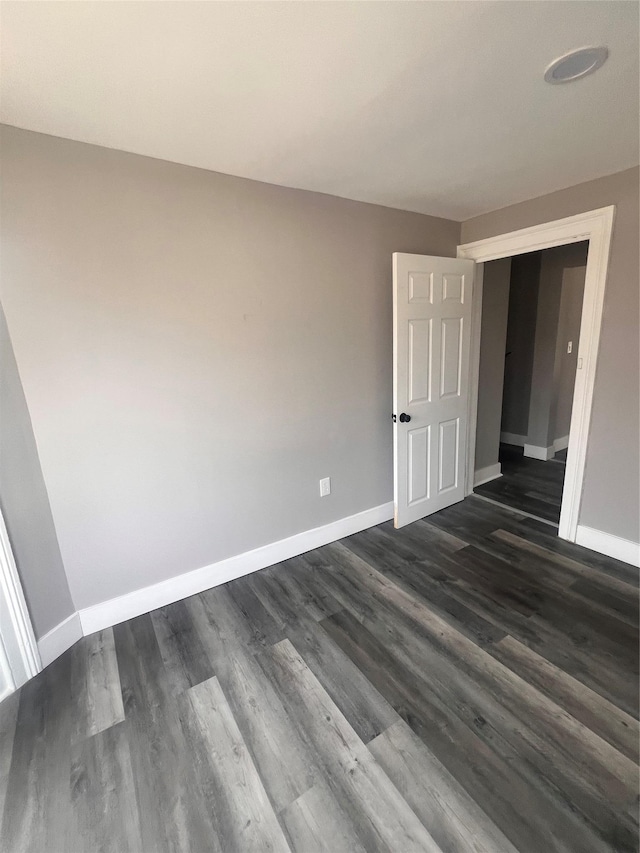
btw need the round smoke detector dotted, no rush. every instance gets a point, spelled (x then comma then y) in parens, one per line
(576, 64)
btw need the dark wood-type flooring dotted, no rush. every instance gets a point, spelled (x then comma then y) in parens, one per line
(528, 485)
(468, 683)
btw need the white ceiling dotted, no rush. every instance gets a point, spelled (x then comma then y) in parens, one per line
(437, 107)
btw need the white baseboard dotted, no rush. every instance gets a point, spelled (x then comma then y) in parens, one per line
(485, 475)
(560, 444)
(606, 543)
(59, 639)
(546, 453)
(512, 438)
(124, 607)
(535, 452)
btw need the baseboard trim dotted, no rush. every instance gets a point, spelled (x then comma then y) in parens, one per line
(561, 443)
(116, 610)
(59, 639)
(485, 475)
(535, 452)
(606, 543)
(512, 438)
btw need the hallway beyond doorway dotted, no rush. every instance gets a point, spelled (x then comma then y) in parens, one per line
(528, 485)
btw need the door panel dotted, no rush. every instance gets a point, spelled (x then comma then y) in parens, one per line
(418, 462)
(448, 461)
(419, 361)
(451, 356)
(432, 314)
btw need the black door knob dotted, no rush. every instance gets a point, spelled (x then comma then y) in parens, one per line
(404, 419)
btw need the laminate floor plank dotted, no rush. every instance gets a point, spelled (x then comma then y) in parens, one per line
(363, 707)
(424, 538)
(224, 628)
(172, 812)
(253, 611)
(8, 722)
(601, 716)
(372, 545)
(558, 601)
(491, 574)
(37, 808)
(296, 584)
(443, 598)
(557, 579)
(316, 823)
(366, 711)
(543, 535)
(494, 780)
(452, 817)
(577, 569)
(623, 605)
(95, 685)
(103, 793)
(144, 681)
(383, 819)
(185, 660)
(281, 758)
(515, 720)
(552, 741)
(466, 683)
(594, 630)
(474, 519)
(526, 484)
(552, 641)
(599, 648)
(243, 815)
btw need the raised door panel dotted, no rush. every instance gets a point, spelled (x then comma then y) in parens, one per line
(420, 361)
(419, 464)
(451, 356)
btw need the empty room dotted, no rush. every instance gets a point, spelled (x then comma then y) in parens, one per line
(319, 426)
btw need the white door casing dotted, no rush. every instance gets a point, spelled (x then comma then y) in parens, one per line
(596, 226)
(432, 300)
(19, 656)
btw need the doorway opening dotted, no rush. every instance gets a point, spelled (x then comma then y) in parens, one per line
(530, 328)
(596, 228)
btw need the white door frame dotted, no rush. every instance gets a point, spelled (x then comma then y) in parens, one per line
(596, 226)
(16, 633)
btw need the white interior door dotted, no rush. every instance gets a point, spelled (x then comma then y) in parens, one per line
(431, 345)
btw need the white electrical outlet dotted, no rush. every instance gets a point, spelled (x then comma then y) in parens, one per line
(325, 487)
(569, 346)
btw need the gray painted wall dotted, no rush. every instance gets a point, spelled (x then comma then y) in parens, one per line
(196, 351)
(539, 374)
(610, 500)
(564, 372)
(521, 335)
(493, 338)
(551, 385)
(544, 351)
(25, 504)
